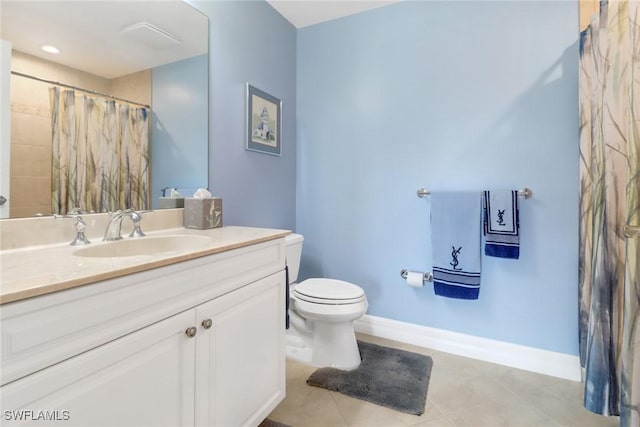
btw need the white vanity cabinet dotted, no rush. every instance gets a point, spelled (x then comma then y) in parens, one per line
(143, 379)
(240, 366)
(208, 352)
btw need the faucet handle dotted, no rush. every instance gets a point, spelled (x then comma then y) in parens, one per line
(81, 226)
(136, 218)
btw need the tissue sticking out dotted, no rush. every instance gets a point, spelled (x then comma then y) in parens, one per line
(202, 193)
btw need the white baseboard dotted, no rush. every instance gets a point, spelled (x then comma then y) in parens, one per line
(514, 355)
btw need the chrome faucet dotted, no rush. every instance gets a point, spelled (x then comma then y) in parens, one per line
(114, 225)
(81, 226)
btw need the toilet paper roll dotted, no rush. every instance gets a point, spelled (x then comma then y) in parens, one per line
(415, 279)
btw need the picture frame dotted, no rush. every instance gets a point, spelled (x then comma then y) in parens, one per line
(264, 122)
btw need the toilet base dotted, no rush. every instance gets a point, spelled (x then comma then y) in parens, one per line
(296, 349)
(335, 345)
(329, 345)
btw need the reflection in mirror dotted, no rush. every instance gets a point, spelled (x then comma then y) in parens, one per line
(119, 113)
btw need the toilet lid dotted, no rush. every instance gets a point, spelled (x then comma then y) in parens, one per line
(328, 290)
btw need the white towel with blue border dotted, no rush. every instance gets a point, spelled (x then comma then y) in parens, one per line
(501, 224)
(455, 242)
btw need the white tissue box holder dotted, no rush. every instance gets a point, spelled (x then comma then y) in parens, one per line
(202, 214)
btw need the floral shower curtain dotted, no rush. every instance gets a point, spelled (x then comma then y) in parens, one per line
(100, 153)
(610, 199)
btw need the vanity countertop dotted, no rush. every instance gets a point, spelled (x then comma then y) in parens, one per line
(39, 270)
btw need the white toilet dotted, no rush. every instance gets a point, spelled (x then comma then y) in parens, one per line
(321, 313)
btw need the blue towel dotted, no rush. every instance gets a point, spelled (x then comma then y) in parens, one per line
(501, 224)
(455, 242)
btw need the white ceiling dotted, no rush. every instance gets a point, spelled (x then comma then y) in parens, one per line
(89, 33)
(302, 13)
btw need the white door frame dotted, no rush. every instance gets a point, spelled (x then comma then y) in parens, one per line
(5, 125)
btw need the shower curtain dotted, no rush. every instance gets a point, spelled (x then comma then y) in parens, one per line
(609, 92)
(100, 153)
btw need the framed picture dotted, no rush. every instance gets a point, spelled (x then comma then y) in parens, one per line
(264, 122)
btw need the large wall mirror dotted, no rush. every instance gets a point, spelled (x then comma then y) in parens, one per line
(117, 114)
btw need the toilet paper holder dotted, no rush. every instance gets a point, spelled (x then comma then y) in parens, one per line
(428, 276)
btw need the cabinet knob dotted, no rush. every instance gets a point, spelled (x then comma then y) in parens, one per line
(207, 323)
(191, 332)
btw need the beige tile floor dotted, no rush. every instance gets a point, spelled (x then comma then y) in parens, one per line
(462, 392)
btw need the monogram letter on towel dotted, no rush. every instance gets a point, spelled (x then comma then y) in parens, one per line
(455, 242)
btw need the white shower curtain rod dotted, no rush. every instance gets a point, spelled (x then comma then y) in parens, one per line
(93, 92)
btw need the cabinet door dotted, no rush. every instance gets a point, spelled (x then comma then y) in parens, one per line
(142, 379)
(240, 358)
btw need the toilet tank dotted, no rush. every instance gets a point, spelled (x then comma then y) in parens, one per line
(293, 243)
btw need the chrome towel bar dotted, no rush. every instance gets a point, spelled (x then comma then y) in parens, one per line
(525, 192)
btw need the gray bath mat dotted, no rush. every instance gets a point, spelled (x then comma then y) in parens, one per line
(269, 423)
(388, 377)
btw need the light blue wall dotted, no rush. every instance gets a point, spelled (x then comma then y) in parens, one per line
(179, 128)
(251, 42)
(447, 96)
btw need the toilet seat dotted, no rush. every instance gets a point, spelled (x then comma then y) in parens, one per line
(328, 291)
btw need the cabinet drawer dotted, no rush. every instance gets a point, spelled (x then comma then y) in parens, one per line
(41, 331)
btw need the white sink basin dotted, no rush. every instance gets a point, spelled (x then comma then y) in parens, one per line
(145, 246)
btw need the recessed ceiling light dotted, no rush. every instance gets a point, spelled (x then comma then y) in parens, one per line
(50, 49)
